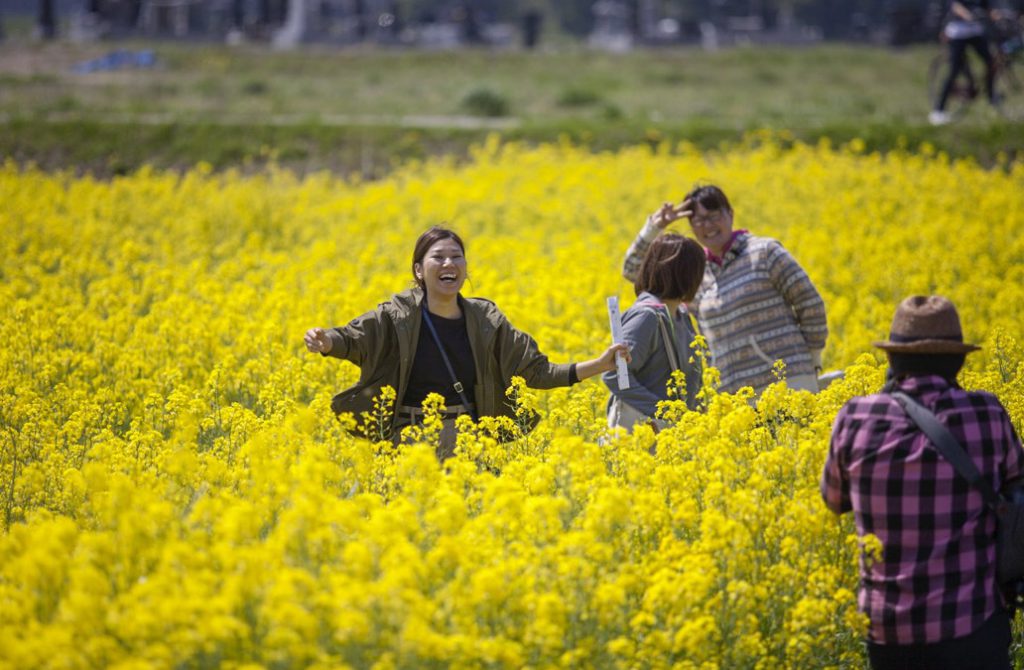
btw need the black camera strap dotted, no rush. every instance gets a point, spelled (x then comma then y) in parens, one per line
(456, 384)
(948, 446)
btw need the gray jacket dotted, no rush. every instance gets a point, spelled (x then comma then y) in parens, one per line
(650, 370)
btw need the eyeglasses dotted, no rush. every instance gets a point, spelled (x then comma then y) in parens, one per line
(711, 217)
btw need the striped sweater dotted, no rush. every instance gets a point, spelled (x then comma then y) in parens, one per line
(757, 307)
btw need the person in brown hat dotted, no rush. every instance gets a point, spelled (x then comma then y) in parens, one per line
(926, 338)
(932, 599)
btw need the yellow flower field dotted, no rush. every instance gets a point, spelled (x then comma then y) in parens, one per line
(175, 492)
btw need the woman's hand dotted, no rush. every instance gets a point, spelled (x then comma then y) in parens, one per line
(669, 213)
(602, 363)
(609, 355)
(317, 341)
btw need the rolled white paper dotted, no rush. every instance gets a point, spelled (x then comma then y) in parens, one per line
(615, 317)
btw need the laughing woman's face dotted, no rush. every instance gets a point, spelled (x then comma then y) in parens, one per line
(712, 228)
(443, 270)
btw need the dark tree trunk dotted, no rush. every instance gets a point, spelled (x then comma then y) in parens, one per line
(362, 27)
(47, 20)
(272, 11)
(531, 28)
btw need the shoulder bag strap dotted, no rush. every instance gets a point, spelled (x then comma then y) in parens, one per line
(947, 445)
(456, 384)
(670, 345)
(660, 310)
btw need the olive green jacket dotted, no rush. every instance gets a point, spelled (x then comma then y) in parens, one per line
(383, 344)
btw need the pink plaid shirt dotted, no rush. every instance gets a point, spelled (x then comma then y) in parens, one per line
(936, 580)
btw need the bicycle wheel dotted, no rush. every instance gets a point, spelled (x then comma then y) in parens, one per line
(1009, 50)
(1011, 91)
(962, 93)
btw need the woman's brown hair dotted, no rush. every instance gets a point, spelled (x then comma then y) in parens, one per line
(672, 269)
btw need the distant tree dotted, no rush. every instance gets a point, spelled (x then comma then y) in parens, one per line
(787, 9)
(574, 16)
(468, 16)
(272, 11)
(47, 20)
(237, 14)
(532, 21)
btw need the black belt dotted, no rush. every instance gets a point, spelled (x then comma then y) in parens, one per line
(450, 412)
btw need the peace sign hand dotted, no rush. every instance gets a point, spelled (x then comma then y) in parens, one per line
(669, 213)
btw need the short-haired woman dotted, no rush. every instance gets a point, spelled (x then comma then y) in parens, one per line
(755, 306)
(659, 332)
(431, 339)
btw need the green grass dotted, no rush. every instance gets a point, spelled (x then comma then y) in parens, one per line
(737, 88)
(362, 109)
(117, 148)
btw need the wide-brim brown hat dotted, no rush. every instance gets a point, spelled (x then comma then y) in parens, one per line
(926, 325)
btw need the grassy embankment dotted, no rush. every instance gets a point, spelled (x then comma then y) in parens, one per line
(361, 110)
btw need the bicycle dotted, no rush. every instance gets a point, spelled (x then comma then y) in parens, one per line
(1006, 42)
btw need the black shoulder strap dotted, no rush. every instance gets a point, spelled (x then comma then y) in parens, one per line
(947, 445)
(444, 356)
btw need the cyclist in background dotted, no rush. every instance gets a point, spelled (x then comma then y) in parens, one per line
(965, 27)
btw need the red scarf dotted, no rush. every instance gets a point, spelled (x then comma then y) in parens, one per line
(719, 260)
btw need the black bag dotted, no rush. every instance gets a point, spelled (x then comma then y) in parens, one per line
(358, 400)
(1009, 507)
(1011, 529)
(525, 424)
